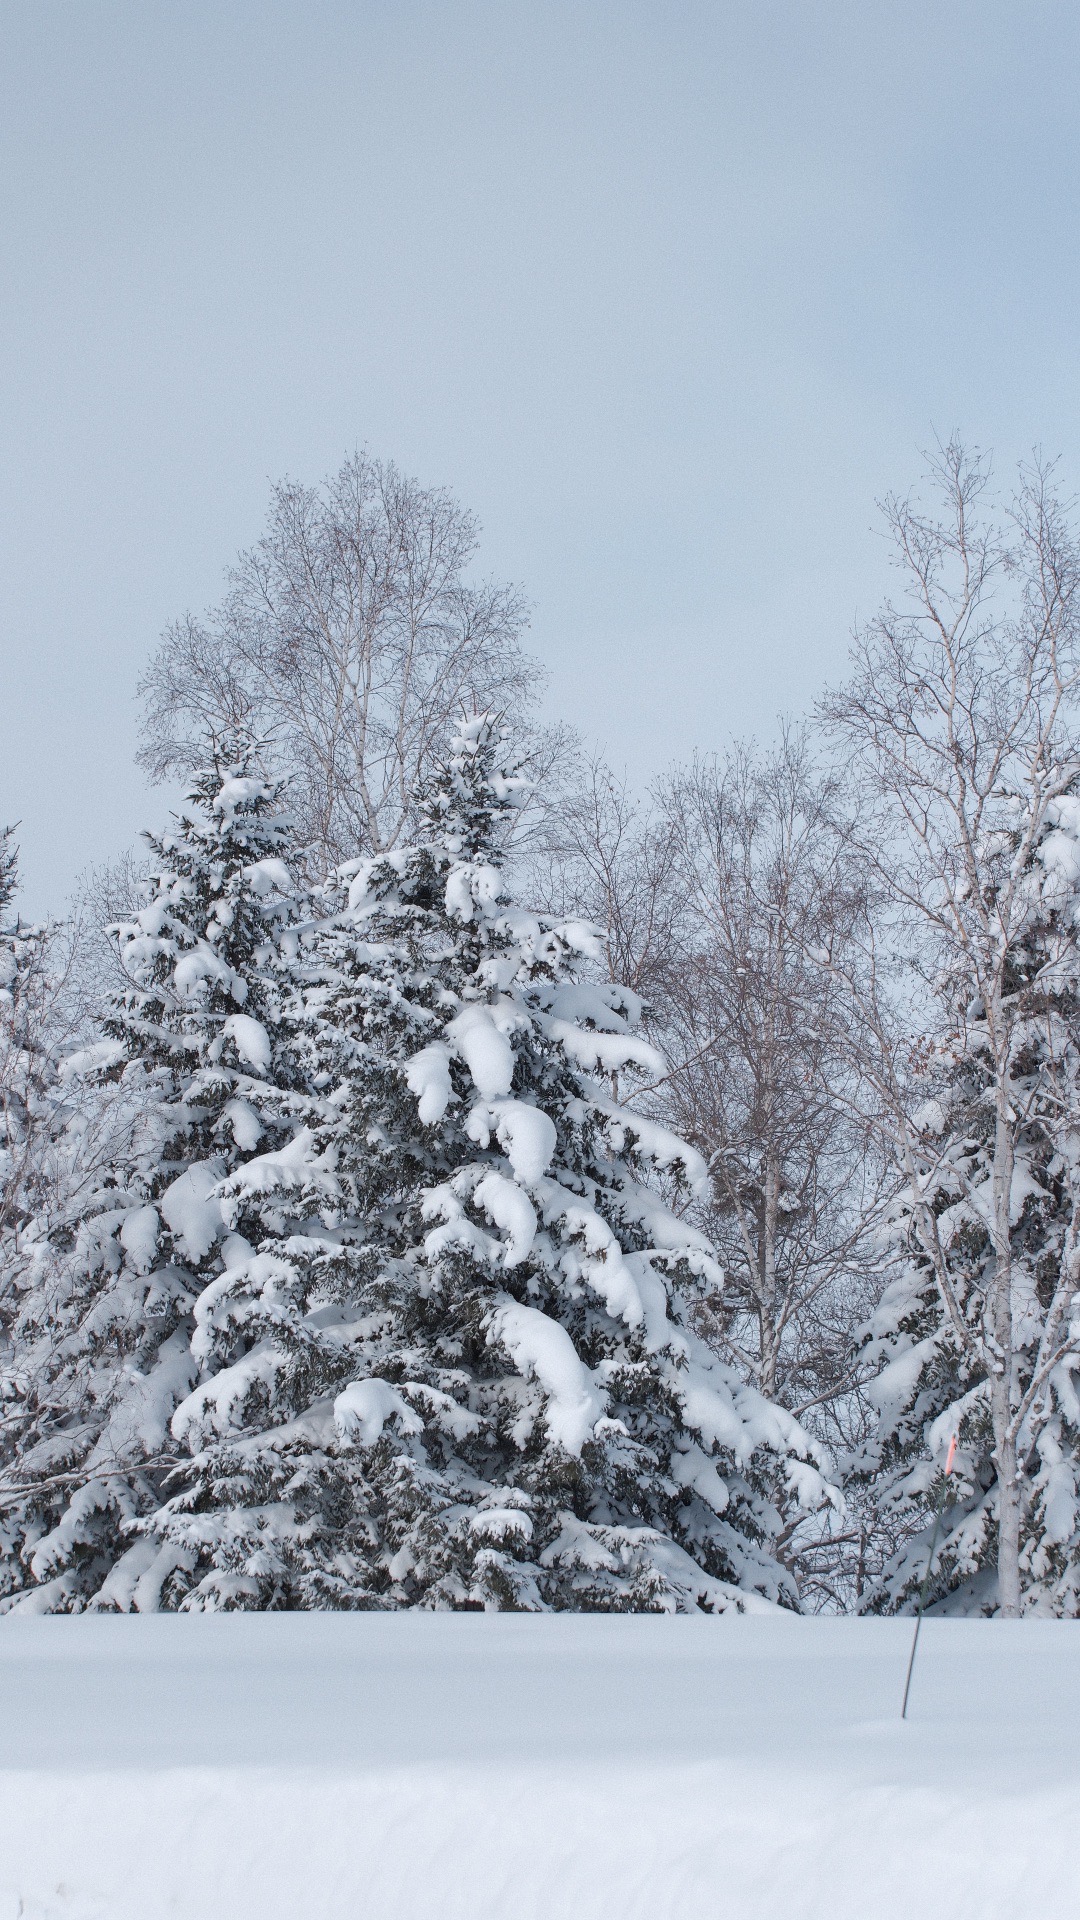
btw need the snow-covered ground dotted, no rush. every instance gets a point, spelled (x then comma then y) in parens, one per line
(433, 1767)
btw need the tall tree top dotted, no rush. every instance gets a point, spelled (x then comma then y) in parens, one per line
(350, 637)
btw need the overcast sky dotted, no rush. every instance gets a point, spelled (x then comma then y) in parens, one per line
(667, 294)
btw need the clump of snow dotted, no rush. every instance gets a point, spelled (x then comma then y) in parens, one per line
(238, 791)
(363, 1409)
(199, 964)
(269, 875)
(286, 1168)
(94, 1059)
(190, 1207)
(505, 1203)
(217, 1408)
(656, 1144)
(139, 1237)
(251, 1040)
(470, 887)
(604, 1052)
(540, 1347)
(890, 1390)
(486, 1051)
(243, 1123)
(527, 1134)
(428, 1076)
(497, 1523)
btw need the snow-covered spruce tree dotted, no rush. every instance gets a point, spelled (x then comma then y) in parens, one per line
(934, 1333)
(27, 1071)
(40, 1132)
(102, 1336)
(465, 1379)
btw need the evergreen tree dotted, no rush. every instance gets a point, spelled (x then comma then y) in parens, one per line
(193, 1060)
(28, 1076)
(39, 1129)
(459, 1372)
(936, 1344)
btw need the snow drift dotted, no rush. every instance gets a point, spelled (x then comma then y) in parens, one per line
(410, 1766)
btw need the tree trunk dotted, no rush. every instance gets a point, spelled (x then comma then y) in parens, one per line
(770, 1344)
(1001, 1390)
(1008, 1524)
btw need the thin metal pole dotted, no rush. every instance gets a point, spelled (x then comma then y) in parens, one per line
(926, 1575)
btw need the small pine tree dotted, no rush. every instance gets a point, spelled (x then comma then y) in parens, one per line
(102, 1337)
(463, 1375)
(934, 1381)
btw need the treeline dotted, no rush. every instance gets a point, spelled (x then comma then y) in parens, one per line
(373, 1233)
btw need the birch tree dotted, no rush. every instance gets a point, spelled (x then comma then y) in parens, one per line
(958, 729)
(350, 639)
(760, 1037)
(613, 856)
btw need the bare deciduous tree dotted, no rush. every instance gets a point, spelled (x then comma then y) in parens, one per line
(760, 1040)
(350, 639)
(105, 895)
(613, 859)
(959, 722)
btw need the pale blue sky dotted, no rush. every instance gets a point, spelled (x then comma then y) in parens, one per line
(667, 293)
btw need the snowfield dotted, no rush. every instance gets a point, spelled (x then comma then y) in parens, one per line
(495, 1767)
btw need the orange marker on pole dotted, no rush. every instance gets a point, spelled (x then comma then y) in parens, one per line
(926, 1576)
